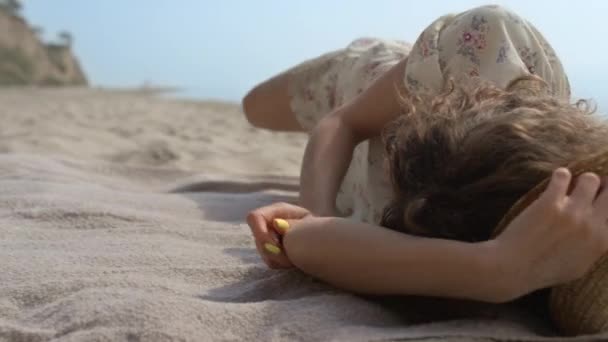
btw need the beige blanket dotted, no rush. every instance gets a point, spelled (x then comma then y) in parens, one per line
(121, 218)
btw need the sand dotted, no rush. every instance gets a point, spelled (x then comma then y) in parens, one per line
(122, 218)
(138, 128)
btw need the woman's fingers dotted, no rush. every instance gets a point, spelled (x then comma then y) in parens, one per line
(267, 231)
(564, 235)
(585, 190)
(259, 228)
(600, 215)
(273, 255)
(558, 186)
(276, 253)
(276, 262)
(600, 206)
(282, 210)
(281, 226)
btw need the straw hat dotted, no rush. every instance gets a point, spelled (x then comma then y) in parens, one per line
(580, 307)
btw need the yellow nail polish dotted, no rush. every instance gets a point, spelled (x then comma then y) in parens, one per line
(272, 248)
(281, 224)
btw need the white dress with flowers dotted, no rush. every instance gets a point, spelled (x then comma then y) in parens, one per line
(488, 42)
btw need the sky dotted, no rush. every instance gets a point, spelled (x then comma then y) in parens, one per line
(220, 49)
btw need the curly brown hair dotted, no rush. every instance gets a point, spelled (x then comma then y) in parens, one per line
(458, 161)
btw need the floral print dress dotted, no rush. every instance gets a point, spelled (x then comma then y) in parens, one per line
(487, 42)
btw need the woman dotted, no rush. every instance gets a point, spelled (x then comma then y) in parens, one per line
(462, 159)
(345, 99)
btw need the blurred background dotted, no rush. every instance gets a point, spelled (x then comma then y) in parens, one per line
(220, 49)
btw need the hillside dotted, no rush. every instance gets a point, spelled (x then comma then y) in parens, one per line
(26, 60)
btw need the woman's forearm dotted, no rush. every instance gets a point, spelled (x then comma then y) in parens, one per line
(330, 148)
(326, 159)
(368, 259)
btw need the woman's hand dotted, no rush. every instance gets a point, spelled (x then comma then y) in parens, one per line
(268, 225)
(559, 237)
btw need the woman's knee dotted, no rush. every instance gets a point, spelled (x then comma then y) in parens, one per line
(251, 107)
(267, 106)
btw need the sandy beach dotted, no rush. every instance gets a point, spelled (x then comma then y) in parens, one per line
(122, 218)
(138, 128)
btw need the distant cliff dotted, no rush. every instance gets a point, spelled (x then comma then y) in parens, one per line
(26, 60)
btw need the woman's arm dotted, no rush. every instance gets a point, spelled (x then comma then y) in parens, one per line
(330, 147)
(368, 259)
(555, 240)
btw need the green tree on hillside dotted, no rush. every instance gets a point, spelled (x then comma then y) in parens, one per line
(11, 6)
(66, 38)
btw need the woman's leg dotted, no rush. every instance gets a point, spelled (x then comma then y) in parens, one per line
(267, 105)
(299, 97)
